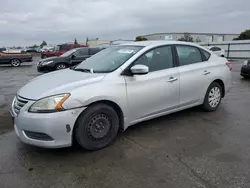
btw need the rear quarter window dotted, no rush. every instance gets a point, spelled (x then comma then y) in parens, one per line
(206, 54)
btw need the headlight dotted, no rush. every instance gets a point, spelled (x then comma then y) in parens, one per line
(47, 62)
(49, 104)
(245, 63)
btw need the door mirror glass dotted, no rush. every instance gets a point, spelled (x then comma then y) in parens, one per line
(139, 69)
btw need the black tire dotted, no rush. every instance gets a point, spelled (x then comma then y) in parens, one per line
(60, 66)
(15, 62)
(207, 106)
(96, 127)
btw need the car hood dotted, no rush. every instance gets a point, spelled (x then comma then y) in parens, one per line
(55, 58)
(57, 82)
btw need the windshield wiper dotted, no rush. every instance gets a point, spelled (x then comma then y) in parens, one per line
(83, 70)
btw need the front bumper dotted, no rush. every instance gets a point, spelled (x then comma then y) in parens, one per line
(245, 70)
(45, 68)
(32, 128)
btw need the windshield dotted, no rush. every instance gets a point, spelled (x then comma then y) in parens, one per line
(68, 53)
(109, 59)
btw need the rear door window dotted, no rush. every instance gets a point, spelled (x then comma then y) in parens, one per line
(65, 47)
(214, 49)
(82, 52)
(188, 55)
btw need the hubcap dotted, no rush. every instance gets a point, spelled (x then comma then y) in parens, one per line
(15, 62)
(61, 67)
(214, 97)
(98, 126)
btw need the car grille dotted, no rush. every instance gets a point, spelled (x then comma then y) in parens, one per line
(19, 103)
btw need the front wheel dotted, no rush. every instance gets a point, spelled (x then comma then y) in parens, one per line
(213, 97)
(96, 127)
(61, 66)
(15, 62)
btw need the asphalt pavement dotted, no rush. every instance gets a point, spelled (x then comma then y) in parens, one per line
(187, 149)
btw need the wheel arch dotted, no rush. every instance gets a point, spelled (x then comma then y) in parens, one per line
(219, 81)
(114, 105)
(16, 59)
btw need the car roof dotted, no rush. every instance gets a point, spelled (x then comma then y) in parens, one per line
(86, 47)
(158, 43)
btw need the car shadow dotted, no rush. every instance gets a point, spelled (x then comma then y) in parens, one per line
(10, 67)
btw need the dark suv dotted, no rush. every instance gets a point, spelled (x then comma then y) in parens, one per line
(68, 59)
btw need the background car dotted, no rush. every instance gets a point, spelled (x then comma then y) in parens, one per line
(14, 59)
(217, 50)
(34, 50)
(245, 69)
(68, 59)
(59, 50)
(2, 49)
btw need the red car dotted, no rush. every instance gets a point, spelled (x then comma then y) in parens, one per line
(60, 49)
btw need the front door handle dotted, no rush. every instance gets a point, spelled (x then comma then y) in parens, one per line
(206, 72)
(172, 79)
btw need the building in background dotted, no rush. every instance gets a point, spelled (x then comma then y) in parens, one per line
(197, 37)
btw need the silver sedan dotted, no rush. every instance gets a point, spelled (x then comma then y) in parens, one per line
(116, 88)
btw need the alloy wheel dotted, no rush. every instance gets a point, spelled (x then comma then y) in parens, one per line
(214, 97)
(15, 62)
(61, 66)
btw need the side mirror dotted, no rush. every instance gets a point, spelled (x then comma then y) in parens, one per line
(73, 56)
(139, 69)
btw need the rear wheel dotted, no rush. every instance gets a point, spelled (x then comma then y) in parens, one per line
(61, 66)
(15, 62)
(96, 127)
(213, 97)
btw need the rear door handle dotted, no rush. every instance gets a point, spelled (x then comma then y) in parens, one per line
(172, 79)
(206, 72)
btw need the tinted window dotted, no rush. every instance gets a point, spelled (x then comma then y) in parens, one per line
(93, 51)
(82, 52)
(188, 55)
(65, 47)
(206, 54)
(76, 46)
(157, 59)
(215, 49)
(2, 49)
(68, 53)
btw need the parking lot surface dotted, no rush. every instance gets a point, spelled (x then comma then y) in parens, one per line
(187, 149)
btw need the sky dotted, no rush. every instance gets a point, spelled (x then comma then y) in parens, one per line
(28, 22)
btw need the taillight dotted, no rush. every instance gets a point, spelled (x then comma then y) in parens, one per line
(228, 64)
